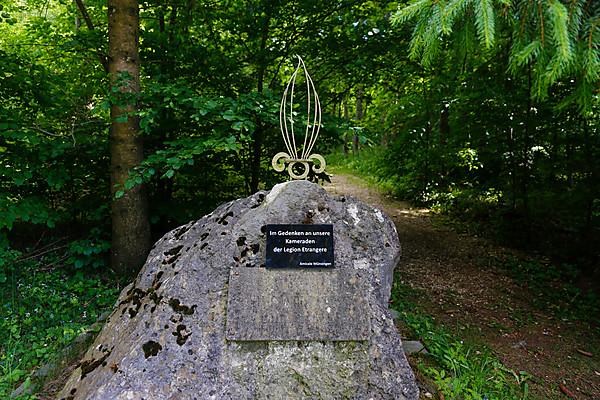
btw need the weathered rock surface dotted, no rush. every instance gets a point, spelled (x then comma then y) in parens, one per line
(167, 337)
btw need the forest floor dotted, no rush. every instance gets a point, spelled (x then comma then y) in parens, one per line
(462, 287)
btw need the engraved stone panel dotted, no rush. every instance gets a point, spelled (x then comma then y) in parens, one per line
(304, 304)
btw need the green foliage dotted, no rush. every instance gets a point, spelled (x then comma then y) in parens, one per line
(564, 297)
(496, 125)
(371, 165)
(484, 21)
(88, 253)
(465, 137)
(209, 125)
(7, 260)
(461, 370)
(42, 312)
(543, 38)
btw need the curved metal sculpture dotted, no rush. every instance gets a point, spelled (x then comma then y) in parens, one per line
(293, 158)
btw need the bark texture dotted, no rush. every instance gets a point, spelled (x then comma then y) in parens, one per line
(129, 214)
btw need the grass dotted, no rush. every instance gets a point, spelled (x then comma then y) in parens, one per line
(459, 369)
(553, 288)
(459, 365)
(41, 312)
(469, 212)
(368, 165)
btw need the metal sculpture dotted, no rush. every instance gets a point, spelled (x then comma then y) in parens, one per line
(299, 156)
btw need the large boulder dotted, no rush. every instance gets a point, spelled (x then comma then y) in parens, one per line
(167, 337)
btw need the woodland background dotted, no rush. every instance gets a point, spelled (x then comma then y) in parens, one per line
(484, 110)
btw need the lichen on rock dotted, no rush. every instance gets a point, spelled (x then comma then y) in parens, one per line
(166, 338)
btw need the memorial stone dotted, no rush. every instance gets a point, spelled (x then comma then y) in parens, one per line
(177, 332)
(268, 297)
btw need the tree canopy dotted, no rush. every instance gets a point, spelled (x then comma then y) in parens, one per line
(486, 110)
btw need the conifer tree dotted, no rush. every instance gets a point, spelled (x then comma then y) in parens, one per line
(556, 40)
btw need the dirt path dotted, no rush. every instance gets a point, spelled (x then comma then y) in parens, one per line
(464, 290)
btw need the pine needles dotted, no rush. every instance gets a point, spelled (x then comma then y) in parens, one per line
(557, 41)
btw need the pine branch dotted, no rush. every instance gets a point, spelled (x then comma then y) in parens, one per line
(541, 17)
(453, 10)
(417, 40)
(559, 17)
(432, 37)
(484, 21)
(524, 55)
(409, 12)
(591, 65)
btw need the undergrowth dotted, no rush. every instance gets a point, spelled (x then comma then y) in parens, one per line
(480, 212)
(459, 369)
(369, 165)
(553, 288)
(43, 310)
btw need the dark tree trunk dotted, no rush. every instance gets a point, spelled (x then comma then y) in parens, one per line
(359, 116)
(259, 132)
(130, 225)
(347, 118)
(90, 25)
(444, 124)
(526, 153)
(513, 167)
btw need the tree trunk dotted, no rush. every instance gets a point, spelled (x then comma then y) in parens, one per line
(130, 225)
(88, 22)
(444, 123)
(77, 21)
(258, 135)
(359, 116)
(527, 160)
(346, 118)
(513, 167)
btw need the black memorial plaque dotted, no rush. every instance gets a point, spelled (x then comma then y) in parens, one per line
(299, 246)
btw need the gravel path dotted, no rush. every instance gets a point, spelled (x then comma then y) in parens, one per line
(464, 290)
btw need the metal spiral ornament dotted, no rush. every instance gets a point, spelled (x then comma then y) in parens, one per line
(303, 157)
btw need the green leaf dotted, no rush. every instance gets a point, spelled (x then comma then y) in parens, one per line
(129, 184)
(229, 115)
(119, 194)
(237, 126)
